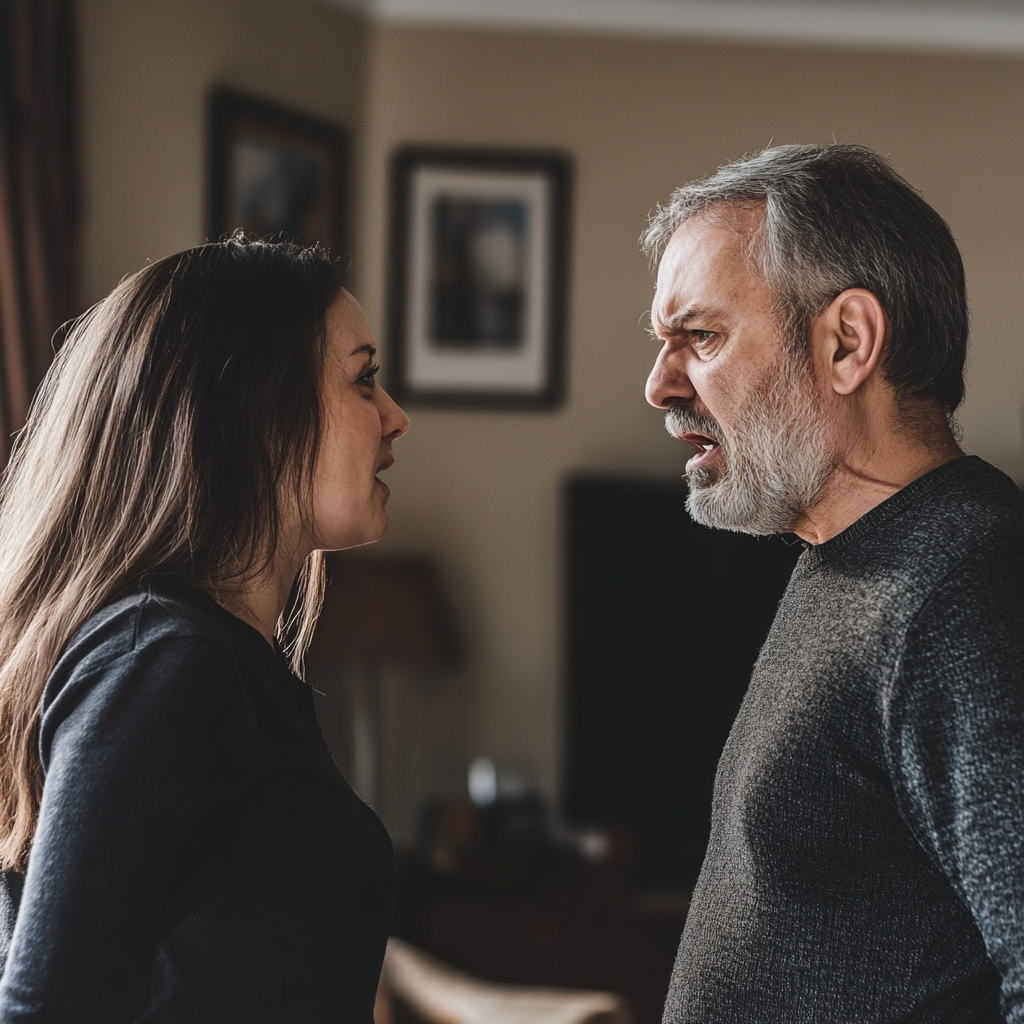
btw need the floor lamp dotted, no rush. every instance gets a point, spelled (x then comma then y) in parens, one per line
(378, 614)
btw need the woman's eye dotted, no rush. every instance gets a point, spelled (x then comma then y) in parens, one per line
(368, 378)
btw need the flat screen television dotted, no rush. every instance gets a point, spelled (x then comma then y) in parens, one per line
(665, 619)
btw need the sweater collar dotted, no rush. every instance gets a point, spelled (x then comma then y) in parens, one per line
(869, 524)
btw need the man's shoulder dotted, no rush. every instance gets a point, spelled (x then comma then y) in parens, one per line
(970, 485)
(966, 511)
(961, 526)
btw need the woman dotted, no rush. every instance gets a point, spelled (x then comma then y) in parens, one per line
(177, 843)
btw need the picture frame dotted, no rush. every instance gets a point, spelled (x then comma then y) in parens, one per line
(479, 250)
(276, 173)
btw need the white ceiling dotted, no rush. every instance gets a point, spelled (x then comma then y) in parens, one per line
(983, 26)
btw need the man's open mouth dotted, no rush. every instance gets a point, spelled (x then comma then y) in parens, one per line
(699, 440)
(708, 448)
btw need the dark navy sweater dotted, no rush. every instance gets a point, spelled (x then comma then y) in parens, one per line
(198, 857)
(866, 862)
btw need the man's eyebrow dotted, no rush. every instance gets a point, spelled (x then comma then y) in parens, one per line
(676, 323)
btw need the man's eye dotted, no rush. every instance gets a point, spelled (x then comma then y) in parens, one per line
(703, 337)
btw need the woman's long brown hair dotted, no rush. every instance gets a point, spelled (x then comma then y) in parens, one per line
(173, 423)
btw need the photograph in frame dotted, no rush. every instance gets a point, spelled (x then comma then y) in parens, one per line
(276, 173)
(478, 277)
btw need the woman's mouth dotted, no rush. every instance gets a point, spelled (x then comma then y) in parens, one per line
(708, 449)
(386, 464)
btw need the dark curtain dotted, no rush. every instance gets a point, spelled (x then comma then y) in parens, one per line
(39, 207)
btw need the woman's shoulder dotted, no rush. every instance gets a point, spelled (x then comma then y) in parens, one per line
(156, 614)
(161, 653)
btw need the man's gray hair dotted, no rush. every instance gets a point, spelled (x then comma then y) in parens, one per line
(838, 217)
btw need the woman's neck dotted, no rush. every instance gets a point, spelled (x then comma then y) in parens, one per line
(260, 602)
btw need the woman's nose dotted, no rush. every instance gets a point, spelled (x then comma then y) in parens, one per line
(394, 421)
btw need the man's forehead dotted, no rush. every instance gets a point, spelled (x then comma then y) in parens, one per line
(719, 237)
(704, 256)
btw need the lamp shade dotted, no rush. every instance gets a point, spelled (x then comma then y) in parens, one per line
(383, 611)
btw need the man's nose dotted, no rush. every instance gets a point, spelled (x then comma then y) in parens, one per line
(668, 382)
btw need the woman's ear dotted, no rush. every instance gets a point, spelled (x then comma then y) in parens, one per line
(847, 339)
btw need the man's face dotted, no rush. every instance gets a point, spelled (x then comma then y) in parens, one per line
(731, 388)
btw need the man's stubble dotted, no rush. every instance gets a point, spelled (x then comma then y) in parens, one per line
(777, 461)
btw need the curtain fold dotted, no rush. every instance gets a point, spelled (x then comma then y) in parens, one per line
(39, 198)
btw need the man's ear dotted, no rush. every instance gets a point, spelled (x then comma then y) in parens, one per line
(847, 339)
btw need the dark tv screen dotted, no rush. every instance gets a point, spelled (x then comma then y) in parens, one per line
(665, 619)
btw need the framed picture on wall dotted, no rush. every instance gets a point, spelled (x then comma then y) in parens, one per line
(478, 277)
(277, 173)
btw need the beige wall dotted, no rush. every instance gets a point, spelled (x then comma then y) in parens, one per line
(639, 117)
(146, 69)
(480, 490)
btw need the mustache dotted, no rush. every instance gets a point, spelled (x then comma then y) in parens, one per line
(683, 419)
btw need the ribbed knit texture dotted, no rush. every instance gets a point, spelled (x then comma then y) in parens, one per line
(866, 861)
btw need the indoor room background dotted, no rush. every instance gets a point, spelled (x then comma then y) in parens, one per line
(479, 491)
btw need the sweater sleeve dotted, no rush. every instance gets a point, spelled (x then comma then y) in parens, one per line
(956, 741)
(139, 752)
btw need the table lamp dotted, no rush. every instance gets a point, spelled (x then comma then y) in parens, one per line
(379, 613)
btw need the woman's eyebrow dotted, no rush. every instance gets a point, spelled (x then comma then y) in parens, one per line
(370, 350)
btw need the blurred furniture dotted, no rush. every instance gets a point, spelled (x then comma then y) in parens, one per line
(378, 613)
(440, 994)
(553, 920)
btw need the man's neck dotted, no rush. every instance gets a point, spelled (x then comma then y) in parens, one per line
(873, 469)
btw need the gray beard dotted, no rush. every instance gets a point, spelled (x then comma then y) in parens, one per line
(779, 464)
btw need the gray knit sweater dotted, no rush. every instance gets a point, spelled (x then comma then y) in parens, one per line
(866, 862)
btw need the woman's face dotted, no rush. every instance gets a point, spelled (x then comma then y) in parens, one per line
(360, 423)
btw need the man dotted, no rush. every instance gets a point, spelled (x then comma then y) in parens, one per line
(866, 861)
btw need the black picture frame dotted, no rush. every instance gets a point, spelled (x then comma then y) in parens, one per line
(276, 172)
(478, 277)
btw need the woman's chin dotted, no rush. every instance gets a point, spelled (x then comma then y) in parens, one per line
(360, 539)
(382, 531)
